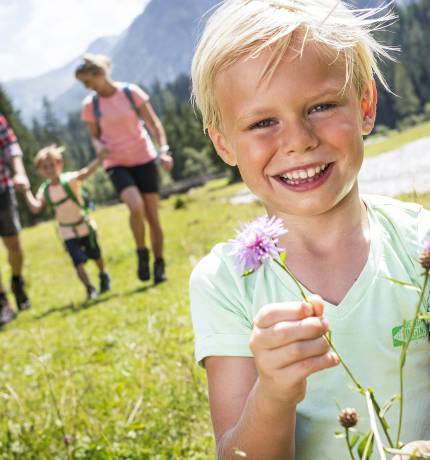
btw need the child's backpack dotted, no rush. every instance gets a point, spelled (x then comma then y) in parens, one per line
(85, 204)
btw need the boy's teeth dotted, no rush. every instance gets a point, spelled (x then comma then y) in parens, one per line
(304, 173)
(311, 172)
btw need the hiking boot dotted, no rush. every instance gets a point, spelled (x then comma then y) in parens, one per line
(104, 285)
(143, 264)
(91, 293)
(159, 271)
(6, 312)
(21, 298)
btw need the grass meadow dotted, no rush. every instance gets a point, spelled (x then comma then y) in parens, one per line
(396, 139)
(115, 378)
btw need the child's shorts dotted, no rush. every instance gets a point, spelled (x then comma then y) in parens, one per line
(81, 249)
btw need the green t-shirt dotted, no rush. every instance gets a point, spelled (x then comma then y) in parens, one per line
(366, 326)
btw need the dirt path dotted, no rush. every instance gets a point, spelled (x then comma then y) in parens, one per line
(401, 171)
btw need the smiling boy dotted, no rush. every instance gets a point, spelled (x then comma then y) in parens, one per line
(286, 89)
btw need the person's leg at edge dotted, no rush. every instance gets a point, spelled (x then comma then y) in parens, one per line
(7, 314)
(132, 198)
(16, 260)
(151, 201)
(14, 252)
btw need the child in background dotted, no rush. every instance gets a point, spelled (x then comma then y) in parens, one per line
(286, 90)
(63, 192)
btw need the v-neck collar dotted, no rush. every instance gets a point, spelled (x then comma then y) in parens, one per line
(361, 285)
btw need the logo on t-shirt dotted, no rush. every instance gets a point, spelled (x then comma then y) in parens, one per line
(400, 333)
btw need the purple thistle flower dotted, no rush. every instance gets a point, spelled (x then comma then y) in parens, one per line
(256, 242)
(426, 244)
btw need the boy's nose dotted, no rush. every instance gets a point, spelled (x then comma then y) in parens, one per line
(298, 136)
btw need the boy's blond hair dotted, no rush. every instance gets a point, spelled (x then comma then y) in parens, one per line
(52, 151)
(244, 28)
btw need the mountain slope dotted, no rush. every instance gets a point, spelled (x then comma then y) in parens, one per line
(158, 45)
(27, 94)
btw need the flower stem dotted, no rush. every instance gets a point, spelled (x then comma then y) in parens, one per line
(327, 336)
(348, 442)
(357, 384)
(381, 419)
(405, 351)
(348, 371)
(284, 267)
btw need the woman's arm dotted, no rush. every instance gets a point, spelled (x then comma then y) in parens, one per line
(153, 123)
(157, 132)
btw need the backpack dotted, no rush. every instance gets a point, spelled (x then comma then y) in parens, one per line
(96, 105)
(85, 204)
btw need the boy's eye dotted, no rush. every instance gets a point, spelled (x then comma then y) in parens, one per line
(322, 107)
(266, 123)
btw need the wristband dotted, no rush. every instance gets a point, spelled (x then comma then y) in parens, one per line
(164, 148)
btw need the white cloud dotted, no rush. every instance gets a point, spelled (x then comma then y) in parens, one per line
(39, 35)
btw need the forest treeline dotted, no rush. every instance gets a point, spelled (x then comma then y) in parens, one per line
(407, 104)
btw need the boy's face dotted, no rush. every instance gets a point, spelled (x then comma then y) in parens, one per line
(50, 168)
(296, 138)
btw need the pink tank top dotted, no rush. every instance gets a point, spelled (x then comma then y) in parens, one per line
(122, 131)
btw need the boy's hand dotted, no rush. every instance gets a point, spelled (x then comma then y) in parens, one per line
(166, 161)
(21, 183)
(422, 446)
(288, 346)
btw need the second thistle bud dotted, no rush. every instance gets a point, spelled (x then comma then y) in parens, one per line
(348, 417)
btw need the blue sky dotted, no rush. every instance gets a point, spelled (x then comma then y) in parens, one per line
(40, 35)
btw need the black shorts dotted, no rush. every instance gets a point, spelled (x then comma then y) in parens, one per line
(145, 177)
(81, 249)
(9, 217)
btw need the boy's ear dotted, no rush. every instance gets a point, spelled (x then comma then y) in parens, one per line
(368, 108)
(221, 147)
